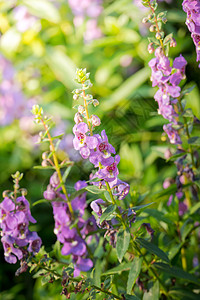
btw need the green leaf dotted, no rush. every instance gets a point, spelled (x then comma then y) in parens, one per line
(183, 294)
(126, 89)
(194, 208)
(44, 168)
(97, 273)
(94, 189)
(176, 272)
(66, 173)
(152, 249)
(45, 279)
(153, 293)
(116, 270)
(76, 194)
(188, 113)
(139, 207)
(107, 212)
(131, 297)
(43, 9)
(188, 90)
(170, 190)
(62, 66)
(195, 140)
(134, 273)
(123, 240)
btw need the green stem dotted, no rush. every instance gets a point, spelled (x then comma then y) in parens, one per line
(57, 167)
(100, 166)
(77, 280)
(157, 27)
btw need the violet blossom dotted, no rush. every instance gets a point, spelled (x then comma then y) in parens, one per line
(14, 222)
(167, 79)
(73, 239)
(192, 8)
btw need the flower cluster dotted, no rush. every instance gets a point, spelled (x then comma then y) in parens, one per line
(12, 101)
(87, 9)
(17, 239)
(72, 238)
(167, 79)
(192, 8)
(97, 149)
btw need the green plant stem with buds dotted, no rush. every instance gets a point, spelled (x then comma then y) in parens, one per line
(157, 27)
(57, 167)
(100, 166)
(72, 279)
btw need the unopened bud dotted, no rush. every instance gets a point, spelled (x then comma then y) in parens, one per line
(81, 109)
(45, 155)
(151, 48)
(78, 118)
(44, 163)
(75, 97)
(158, 36)
(5, 193)
(23, 192)
(152, 28)
(95, 102)
(41, 134)
(164, 20)
(173, 42)
(95, 120)
(145, 20)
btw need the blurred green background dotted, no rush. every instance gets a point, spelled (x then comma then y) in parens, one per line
(43, 59)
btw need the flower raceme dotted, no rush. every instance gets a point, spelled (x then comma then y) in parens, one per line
(192, 8)
(17, 239)
(167, 79)
(72, 238)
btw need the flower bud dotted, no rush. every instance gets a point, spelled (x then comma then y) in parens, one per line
(95, 120)
(145, 20)
(5, 193)
(151, 48)
(44, 163)
(173, 42)
(158, 36)
(95, 102)
(45, 155)
(75, 97)
(23, 192)
(81, 109)
(152, 28)
(78, 118)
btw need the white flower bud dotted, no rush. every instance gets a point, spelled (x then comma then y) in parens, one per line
(95, 120)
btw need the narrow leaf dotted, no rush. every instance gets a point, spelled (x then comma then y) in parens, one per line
(123, 240)
(153, 249)
(107, 212)
(176, 272)
(94, 189)
(134, 273)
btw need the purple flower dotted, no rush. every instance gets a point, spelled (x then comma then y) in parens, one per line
(15, 220)
(120, 188)
(110, 171)
(102, 152)
(172, 134)
(83, 142)
(192, 8)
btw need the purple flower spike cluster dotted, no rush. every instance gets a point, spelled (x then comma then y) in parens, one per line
(192, 8)
(12, 101)
(72, 238)
(167, 79)
(17, 239)
(87, 9)
(99, 151)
